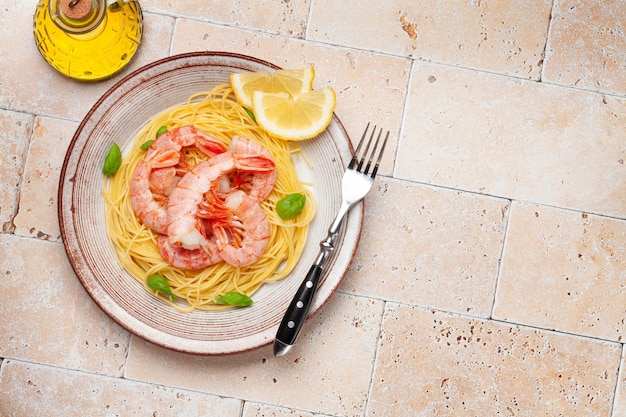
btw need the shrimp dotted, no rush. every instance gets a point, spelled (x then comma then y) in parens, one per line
(242, 240)
(257, 184)
(188, 259)
(149, 184)
(148, 209)
(163, 181)
(183, 207)
(186, 136)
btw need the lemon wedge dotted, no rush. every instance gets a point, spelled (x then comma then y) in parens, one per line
(294, 117)
(291, 81)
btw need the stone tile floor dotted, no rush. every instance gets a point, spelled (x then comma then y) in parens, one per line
(491, 274)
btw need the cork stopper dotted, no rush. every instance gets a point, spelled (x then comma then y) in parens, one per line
(76, 9)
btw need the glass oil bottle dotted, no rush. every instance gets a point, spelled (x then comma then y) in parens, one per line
(88, 40)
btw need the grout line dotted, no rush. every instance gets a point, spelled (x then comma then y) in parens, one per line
(112, 378)
(43, 114)
(25, 156)
(242, 409)
(129, 346)
(548, 35)
(502, 197)
(500, 261)
(307, 26)
(170, 45)
(66, 368)
(559, 332)
(620, 374)
(456, 313)
(375, 360)
(278, 406)
(403, 117)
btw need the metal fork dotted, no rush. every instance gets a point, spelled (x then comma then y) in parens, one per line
(355, 184)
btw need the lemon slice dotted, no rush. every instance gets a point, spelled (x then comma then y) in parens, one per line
(291, 81)
(294, 117)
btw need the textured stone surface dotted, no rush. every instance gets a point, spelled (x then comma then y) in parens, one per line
(47, 317)
(455, 366)
(516, 139)
(576, 260)
(490, 277)
(15, 132)
(505, 37)
(284, 17)
(27, 391)
(328, 370)
(587, 45)
(443, 250)
(37, 214)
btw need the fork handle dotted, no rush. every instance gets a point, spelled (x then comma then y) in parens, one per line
(297, 312)
(298, 309)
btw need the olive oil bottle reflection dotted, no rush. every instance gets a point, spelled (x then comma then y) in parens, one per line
(88, 40)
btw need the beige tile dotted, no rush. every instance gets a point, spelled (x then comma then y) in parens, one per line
(619, 408)
(369, 86)
(284, 17)
(15, 132)
(443, 252)
(435, 364)
(30, 84)
(328, 371)
(37, 214)
(47, 317)
(263, 410)
(504, 37)
(587, 45)
(27, 389)
(578, 263)
(516, 139)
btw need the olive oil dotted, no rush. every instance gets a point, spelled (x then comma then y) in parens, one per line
(88, 40)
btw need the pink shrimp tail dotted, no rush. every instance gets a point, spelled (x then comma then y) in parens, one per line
(254, 163)
(208, 145)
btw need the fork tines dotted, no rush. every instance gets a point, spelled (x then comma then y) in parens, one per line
(358, 159)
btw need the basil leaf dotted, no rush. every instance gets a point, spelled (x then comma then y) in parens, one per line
(144, 146)
(113, 160)
(250, 113)
(290, 205)
(159, 283)
(161, 130)
(234, 298)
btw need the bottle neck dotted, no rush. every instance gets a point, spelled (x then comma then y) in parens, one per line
(77, 16)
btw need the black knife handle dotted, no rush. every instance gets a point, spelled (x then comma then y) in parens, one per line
(298, 310)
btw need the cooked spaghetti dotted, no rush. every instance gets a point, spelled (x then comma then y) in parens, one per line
(218, 114)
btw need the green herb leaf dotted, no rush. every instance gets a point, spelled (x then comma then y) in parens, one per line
(159, 283)
(144, 146)
(161, 130)
(250, 113)
(234, 298)
(290, 205)
(113, 160)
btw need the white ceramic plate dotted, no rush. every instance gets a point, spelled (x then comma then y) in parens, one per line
(118, 116)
